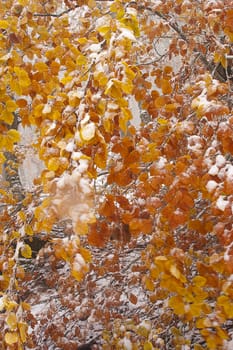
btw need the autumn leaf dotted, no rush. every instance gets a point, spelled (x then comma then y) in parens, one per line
(26, 251)
(11, 321)
(11, 338)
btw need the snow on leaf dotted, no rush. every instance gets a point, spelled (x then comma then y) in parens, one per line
(87, 132)
(222, 202)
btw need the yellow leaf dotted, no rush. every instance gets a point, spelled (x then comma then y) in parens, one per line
(28, 230)
(195, 309)
(11, 338)
(101, 78)
(23, 331)
(103, 30)
(175, 272)
(81, 60)
(129, 72)
(10, 305)
(23, 2)
(7, 116)
(148, 346)
(78, 275)
(149, 284)
(162, 121)
(82, 41)
(53, 164)
(11, 106)
(66, 79)
(2, 159)
(41, 66)
(23, 77)
(26, 251)
(4, 24)
(199, 281)
(86, 254)
(26, 306)
(11, 321)
(127, 86)
(113, 89)
(14, 135)
(177, 304)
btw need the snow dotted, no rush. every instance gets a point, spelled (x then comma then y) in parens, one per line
(213, 170)
(222, 203)
(126, 33)
(160, 164)
(194, 143)
(85, 185)
(226, 254)
(146, 325)
(83, 165)
(220, 161)
(229, 174)
(70, 146)
(228, 345)
(2, 303)
(127, 344)
(47, 108)
(79, 262)
(211, 185)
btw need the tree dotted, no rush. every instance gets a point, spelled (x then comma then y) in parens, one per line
(73, 69)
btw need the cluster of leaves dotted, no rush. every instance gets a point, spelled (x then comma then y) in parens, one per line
(73, 70)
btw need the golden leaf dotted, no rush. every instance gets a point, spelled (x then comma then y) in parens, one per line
(113, 89)
(41, 66)
(7, 116)
(11, 321)
(148, 346)
(199, 281)
(25, 306)
(11, 106)
(81, 60)
(53, 164)
(11, 338)
(22, 326)
(26, 251)
(28, 230)
(13, 135)
(166, 87)
(160, 101)
(203, 323)
(23, 77)
(175, 272)
(177, 304)
(103, 30)
(149, 284)
(4, 24)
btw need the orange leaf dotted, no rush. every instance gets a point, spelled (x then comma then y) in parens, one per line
(166, 87)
